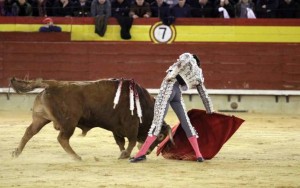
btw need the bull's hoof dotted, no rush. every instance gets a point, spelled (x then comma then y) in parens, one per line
(16, 153)
(124, 155)
(77, 158)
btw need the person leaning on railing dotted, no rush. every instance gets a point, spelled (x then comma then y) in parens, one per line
(101, 8)
(120, 8)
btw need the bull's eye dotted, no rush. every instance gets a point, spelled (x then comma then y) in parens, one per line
(160, 137)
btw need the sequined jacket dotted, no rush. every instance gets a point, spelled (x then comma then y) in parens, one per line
(186, 69)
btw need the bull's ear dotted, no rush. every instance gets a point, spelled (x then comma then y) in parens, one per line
(160, 137)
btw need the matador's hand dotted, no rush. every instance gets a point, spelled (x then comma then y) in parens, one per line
(168, 79)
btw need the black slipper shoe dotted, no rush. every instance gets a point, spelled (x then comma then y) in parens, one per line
(138, 159)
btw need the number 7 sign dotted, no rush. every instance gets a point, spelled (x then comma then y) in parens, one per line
(161, 33)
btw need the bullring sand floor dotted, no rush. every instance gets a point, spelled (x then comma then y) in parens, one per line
(264, 152)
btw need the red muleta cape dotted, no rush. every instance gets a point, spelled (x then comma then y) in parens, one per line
(213, 129)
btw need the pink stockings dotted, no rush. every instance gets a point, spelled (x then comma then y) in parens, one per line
(194, 143)
(150, 139)
(146, 146)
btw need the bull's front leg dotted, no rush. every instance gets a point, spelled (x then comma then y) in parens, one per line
(126, 153)
(120, 141)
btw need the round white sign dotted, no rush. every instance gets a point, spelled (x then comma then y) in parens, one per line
(161, 33)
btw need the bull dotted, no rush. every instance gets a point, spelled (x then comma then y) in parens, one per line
(88, 104)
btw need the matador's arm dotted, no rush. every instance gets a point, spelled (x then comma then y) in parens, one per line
(205, 98)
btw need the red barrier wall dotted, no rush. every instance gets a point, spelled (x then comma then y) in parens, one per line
(225, 65)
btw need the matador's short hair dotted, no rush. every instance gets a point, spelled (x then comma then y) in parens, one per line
(197, 59)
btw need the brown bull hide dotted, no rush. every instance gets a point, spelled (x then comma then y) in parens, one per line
(87, 105)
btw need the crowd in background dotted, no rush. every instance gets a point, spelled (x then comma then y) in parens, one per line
(153, 8)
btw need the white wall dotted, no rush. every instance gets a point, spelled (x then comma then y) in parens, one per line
(245, 103)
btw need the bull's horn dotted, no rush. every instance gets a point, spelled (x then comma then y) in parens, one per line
(170, 135)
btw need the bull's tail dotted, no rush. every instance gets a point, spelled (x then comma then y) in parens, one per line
(24, 86)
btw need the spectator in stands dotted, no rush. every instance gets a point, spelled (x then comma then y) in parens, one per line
(241, 10)
(288, 9)
(38, 7)
(49, 7)
(49, 26)
(181, 10)
(160, 9)
(202, 9)
(150, 1)
(101, 8)
(2, 10)
(8, 7)
(120, 8)
(63, 8)
(171, 3)
(82, 8)
(140, 9)
(21, 8)
(224, 6)
(266, 8)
